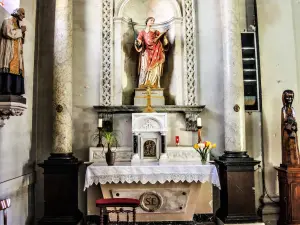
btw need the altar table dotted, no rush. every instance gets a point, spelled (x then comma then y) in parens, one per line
(179, 186)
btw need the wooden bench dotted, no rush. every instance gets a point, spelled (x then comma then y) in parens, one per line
(118, 202)
(4, 204)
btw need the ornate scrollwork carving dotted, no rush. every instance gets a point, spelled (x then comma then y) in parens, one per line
(190, 51)
(107, 15)
(150, 124)
(5, 114)
(120, 156)
(191, 121)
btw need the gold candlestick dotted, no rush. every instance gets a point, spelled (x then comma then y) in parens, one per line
(199, 134)
(100, 138)
(148, 109)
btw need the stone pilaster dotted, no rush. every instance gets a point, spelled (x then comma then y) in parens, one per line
(236, 168)
(61, 168)
(62, 78)
(234, 109)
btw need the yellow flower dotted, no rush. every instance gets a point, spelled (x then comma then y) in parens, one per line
(214, 146)
(196, 146)
(207, 143)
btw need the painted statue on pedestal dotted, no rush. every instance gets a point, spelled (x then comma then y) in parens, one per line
(11, 54)
(151, 44)
(290, 148)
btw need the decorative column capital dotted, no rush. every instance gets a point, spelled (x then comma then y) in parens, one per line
(8, 109)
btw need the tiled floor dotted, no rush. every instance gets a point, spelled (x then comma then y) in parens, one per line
(199, 219)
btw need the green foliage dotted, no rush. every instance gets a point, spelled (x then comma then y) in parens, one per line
(110, 138)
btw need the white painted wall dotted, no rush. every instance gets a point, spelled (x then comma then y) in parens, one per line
(17, 157)
(278, 72)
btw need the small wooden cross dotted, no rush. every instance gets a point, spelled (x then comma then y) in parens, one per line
(148, 109)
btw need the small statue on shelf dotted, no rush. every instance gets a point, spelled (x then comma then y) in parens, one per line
(289, 139)
(12, 37)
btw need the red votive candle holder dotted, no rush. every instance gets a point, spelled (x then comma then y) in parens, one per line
(177, 140)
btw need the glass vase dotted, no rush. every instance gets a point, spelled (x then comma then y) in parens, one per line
(205, 158)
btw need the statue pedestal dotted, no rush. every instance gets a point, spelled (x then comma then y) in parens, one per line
(289, 186)
(157, 97)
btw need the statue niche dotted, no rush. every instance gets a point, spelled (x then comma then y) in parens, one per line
(136, 64)
(289, 138)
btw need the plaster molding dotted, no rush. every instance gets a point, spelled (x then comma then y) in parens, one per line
(121, 5)
(8, 109)
(124, 154)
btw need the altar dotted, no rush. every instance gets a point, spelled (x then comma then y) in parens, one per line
(172, 191)
(150, 94)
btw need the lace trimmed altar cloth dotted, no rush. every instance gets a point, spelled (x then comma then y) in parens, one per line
(151, 172)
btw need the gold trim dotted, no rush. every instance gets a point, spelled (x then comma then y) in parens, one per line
(154, 89)
(151, 97)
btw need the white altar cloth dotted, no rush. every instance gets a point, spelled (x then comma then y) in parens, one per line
(151, 172)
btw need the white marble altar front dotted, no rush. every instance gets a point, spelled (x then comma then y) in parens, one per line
(179, 185)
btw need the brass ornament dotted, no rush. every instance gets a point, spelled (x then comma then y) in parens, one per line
(236, 108)
(149, 148)
(151, 201)
(59, 108)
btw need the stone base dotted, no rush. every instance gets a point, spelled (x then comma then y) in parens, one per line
(220, 222)
(163, 158)
(61, 190)
(135, 159)
(157, 97)
(269, 209)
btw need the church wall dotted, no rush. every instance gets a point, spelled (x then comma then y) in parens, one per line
(43, 123)
(87, 52)
(17, 156)
(296, 20)
(278, 72)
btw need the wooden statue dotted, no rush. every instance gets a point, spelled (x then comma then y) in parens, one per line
(289, 139)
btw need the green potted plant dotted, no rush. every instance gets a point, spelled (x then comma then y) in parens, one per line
(110, 139)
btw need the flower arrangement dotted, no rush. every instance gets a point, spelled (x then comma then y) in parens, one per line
(203, 149)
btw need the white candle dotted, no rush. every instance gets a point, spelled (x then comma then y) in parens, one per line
(99, 122)
(199, 122)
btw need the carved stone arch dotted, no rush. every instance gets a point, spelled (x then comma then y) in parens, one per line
(121, 5)
(143, 120)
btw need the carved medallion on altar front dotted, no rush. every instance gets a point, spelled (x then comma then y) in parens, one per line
(151, 201)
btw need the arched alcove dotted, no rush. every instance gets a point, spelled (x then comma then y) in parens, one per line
(138, 11)
(119, 74)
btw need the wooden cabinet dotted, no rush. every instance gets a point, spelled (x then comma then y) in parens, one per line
(289, 188)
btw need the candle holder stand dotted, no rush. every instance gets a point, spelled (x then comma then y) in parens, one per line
(199, 134)
(177, 141)
(100, 138)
